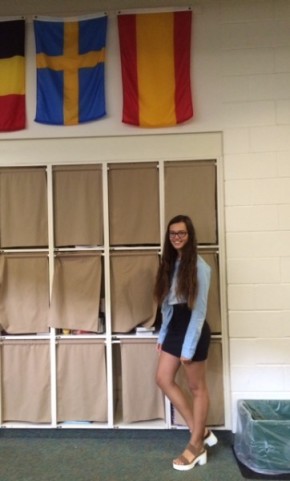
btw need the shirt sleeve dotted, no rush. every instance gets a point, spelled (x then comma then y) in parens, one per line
(198, 313)
(166, 312)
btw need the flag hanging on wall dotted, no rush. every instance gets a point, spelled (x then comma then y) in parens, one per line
(155, 61)
(70, 61)
(12, 75)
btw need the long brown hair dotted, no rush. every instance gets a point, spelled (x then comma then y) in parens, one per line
(187, 273)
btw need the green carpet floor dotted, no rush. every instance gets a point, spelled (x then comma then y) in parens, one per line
(108, 455)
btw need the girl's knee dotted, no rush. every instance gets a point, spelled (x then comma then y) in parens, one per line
(164, 382)
(158, 380)
(197, 389)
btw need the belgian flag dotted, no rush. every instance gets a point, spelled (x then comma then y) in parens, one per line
(12, 75)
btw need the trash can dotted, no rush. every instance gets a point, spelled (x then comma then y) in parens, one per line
(262, 439)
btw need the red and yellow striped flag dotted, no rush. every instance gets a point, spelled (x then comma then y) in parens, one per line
(12, 75)
(155, 59)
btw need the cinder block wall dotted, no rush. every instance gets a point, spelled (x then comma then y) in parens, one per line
(255, 79)
(241, 87)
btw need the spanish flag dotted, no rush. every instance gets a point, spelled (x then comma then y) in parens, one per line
(12, 75)
(70, 61)
(155, 61)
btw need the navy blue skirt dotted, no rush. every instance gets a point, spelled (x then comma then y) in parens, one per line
(176, 332)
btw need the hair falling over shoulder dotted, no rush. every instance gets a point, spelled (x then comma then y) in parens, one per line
(187, 274)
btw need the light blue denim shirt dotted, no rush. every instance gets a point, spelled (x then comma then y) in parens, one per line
(198, 313)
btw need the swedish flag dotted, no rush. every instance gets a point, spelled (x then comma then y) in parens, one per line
(70, 61)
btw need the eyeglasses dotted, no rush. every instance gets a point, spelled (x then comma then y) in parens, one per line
(181, 234)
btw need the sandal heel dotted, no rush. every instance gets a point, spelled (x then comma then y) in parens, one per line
(202, 459)
(210, 439)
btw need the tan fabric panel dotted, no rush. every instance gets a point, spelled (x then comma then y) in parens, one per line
(132, 281)
(23, 208)
(76, 292)
(81, 381)
(26, 381)
(24, 293)
(78, 205)
(134, 204)
(215, 386)
(190, 189)
(216, 414)
(142, 399)
(3, 316)
(117, 383)
(1, 383)
(213, 306)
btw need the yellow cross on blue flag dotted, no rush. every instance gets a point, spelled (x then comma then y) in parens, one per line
(70, 61)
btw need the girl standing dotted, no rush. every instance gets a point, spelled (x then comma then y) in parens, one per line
(181, 290)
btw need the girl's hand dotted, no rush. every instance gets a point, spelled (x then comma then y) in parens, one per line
(158, 348)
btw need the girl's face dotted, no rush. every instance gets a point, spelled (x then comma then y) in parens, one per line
(178, 235)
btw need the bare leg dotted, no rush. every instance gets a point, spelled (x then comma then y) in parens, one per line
(195, 416)
(196, 378)
(165, 377)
